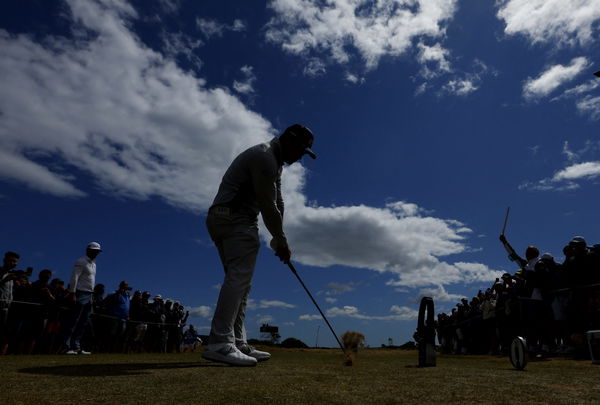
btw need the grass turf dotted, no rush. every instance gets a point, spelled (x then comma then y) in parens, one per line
(292, 377)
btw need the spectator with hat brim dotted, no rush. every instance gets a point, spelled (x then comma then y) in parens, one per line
(81, 289)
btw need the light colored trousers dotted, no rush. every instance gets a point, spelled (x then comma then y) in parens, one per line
(236, 239)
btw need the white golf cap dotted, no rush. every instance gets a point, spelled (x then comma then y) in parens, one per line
(94, 246)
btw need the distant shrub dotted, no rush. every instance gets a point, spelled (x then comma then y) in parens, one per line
(293, 343)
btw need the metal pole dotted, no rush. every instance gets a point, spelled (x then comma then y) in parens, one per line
(316, 305)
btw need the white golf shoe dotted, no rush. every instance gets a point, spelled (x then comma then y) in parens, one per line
(252, 352)
(229, 354)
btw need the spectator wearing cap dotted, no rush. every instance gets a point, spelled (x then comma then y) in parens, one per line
(81, 288)
(579, 264)
(582, 273)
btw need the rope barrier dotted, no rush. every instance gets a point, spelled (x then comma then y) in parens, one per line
(62, 308)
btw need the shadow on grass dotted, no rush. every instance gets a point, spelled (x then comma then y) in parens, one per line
(98, 370)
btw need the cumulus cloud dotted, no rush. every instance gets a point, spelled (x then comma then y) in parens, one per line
(373, 29)
(552, 78)
(202, 311)
(393, 240)
(110, 109)
(564, 23)
(439, 294)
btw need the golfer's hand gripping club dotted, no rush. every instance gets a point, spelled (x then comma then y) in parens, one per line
(284, 254)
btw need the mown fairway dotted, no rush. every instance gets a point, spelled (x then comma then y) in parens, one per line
(292, 377)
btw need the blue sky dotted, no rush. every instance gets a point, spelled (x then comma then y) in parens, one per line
(118, 119)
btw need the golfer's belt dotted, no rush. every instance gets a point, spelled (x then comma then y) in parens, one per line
(220, 210)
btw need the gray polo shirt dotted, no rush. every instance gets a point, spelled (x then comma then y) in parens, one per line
(252, 185)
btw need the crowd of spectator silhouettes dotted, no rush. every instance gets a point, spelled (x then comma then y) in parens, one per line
(35, 315)
(552, 305)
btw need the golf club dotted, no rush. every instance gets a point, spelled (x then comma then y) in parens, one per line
(316, 305)
(505, 220)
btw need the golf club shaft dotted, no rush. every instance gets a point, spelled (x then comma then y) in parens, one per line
(316, 305)
(505, 220)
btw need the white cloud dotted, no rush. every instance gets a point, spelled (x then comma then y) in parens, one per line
(330, 300)
(202, 311)
(564, 23)
(439, 293)
(170, 6)
(307, 317)
(398, 313)
(214, 28)
(314, 68)
(571, 156)
(552, 78)
(247, 85)
(590, 106)
(391, 239)
(118, 111)
(262, 304)
(352, 78)
(460, 87)
(459, 83)
(578, 171)
(177, 43)
(262, 319)
(582, 88)
(434, 60)
(387, 27)
(340, 288)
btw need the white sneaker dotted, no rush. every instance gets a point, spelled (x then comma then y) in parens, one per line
(229, 354)
(252, 352)
(71, 352)
(83, 352)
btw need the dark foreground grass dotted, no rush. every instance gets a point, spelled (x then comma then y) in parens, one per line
(292, 377)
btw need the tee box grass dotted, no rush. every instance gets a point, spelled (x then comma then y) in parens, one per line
(293, 376)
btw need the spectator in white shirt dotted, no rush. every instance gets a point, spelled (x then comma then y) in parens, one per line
(81, 289)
